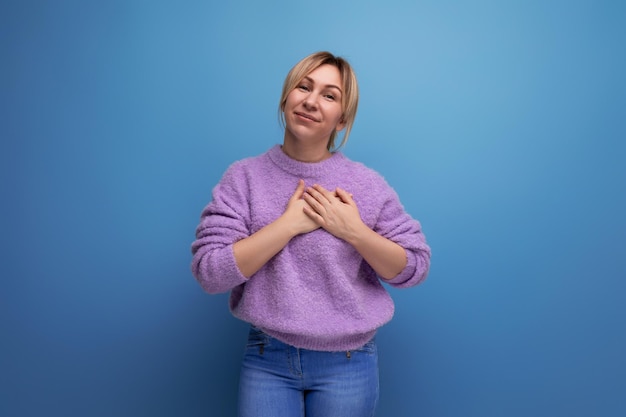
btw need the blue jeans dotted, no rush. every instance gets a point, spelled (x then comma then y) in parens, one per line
(279, 380)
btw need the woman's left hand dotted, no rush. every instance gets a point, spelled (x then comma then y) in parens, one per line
(336, 211)
(338, 214)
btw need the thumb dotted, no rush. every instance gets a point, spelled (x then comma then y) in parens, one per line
(298, 192)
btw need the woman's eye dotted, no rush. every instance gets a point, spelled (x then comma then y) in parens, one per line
(303, 87)
(330, 97)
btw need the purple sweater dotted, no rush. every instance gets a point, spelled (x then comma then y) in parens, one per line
(316, 293)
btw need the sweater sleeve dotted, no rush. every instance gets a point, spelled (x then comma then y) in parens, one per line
(223, 222)
(397, 225)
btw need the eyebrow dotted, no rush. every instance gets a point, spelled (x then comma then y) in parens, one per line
(326, 86)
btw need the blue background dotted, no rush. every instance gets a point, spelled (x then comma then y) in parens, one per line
(501, 125)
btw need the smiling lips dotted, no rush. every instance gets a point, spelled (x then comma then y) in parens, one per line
(306, 116)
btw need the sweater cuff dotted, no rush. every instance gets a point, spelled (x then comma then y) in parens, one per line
(406, 277)
(221, 273)
(232, 270)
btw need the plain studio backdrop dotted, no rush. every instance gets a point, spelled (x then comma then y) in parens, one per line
(501, 125)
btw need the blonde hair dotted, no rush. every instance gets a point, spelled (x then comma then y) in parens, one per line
(350, 96)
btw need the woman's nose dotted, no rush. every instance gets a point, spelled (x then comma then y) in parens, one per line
(310, 101)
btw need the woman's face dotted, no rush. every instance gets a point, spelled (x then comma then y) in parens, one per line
(313, 109)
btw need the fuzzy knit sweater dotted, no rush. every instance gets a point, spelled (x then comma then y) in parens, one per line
(317, 293)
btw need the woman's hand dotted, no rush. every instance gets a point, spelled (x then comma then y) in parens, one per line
(338, 214)
(294, 215)
(335, 211)
(256, 250)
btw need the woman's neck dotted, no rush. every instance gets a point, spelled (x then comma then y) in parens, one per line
(305, 152)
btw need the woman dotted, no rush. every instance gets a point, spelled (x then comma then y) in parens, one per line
(302, 237)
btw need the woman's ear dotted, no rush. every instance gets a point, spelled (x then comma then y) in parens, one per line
(340, 124)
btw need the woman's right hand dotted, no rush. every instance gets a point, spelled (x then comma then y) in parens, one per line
(294, 216)
(254, 251)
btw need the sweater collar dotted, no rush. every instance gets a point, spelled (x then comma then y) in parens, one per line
(303, 169)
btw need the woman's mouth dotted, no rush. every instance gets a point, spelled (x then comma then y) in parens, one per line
(306, 116)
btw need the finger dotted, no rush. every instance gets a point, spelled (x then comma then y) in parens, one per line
(313, 201)
(298, 192)
(313, 215)
(343, 195)
(315, 194)
(324, 192)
